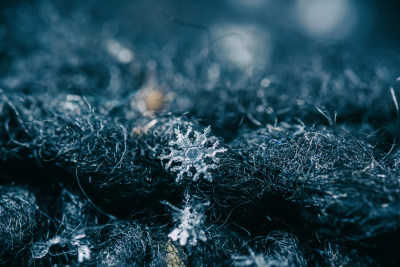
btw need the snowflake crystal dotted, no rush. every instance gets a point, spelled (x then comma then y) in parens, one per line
(190, 221)
(192, 154)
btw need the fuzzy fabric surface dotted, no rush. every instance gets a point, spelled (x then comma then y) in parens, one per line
(183, 133)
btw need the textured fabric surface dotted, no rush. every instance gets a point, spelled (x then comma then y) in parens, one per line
(180, 133)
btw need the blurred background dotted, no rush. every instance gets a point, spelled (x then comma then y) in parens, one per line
(242, 32)
(339, 53)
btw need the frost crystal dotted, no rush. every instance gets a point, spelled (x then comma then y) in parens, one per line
(192, 155)
(191, 219)
(83, 253)
(75, 245)
(39, 250)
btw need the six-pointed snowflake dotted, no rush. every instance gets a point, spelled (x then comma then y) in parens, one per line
(191, 155)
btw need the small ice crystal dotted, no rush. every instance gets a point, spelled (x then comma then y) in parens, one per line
(39, 250)
(192, 154)
(190, 221)
(73, 246)
(83, 253)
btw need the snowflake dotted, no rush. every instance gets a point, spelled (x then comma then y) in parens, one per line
(191, 220)
(192, 154)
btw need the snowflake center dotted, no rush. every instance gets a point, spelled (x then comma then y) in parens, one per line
(193, 154)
